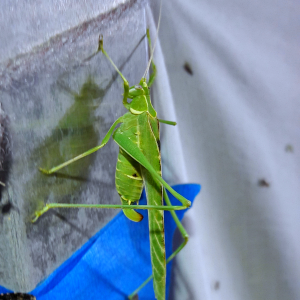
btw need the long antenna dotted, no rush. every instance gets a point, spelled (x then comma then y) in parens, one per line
(156, 36)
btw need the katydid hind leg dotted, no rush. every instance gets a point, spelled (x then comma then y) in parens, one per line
(180, 227)
(112, 206)
(133, 150)
(184, 235)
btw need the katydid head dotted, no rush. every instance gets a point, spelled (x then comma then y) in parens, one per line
(141, 102)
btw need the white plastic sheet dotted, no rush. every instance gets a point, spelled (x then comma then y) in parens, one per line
(238, 119)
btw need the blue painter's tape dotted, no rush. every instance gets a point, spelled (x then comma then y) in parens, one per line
(114, 262)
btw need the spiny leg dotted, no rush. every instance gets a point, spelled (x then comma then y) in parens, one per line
(114, 206)
(185, 240)
(153, 74)
(126, 85)
(104, 142)
(179, 226)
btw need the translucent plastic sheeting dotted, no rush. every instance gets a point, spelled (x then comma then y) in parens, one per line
(55, 105)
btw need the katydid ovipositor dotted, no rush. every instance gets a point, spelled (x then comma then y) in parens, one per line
(139, 165)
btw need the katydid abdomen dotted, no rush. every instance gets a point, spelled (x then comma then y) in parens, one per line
(129, 181)
(149, 135)
(143, 130)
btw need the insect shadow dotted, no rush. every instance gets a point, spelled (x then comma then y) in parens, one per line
(74, 131)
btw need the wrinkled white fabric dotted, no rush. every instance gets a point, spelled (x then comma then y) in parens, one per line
(238, 124)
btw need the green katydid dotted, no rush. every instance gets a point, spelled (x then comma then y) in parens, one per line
(138, 165)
